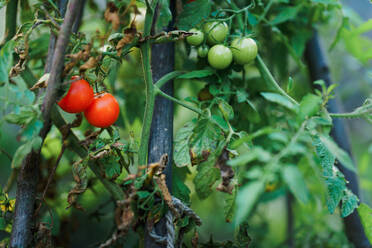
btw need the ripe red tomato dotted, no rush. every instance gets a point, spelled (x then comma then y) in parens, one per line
(103, 111)
(78, 98)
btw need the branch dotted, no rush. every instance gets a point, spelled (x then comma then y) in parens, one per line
(10, 21)
(28, 176)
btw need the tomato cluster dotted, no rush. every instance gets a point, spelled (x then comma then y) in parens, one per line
(241, 50)
(100, 110)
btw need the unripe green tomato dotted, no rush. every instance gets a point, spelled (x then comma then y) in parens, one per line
(203, 51)
(220, 57)
(216, 32)
(244, 50)
(195, 39)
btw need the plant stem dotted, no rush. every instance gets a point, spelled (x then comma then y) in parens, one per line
(268, 77)
(10, 20)
(168, 77)
(150, 93)
(239, 16)
(160, 92)
(346, 115)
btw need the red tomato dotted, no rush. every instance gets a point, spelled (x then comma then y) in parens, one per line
(78, 98)
(103, 111)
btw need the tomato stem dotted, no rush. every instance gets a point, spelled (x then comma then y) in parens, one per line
(150, 93)
(160, 92)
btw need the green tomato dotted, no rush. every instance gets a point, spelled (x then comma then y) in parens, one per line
(216, 32)
(220, 57)
(203, 51)
(244, 50)
(195, 39)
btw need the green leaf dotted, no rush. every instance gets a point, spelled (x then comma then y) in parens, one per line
(142, 194)
(181, 145)
(279, 99)
(197, 74)
(25, 115)
(2, 223)
(193, 13)
(241, 95)
(365, 213)
(220, 122)
(247, 198)
(335, 187)
(206, 177)
(296, 183)
(286, 14)
(226, 110)
(349, 203)
(6, 61)
(290, 84)
(24, 149)
(204, 139)
(165, 15)
(309, 106)
(229, 208)
(112, 166)
(179, 188)
(337, 152)
(257, 153)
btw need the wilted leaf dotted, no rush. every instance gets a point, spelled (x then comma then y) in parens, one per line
(112, 15)
(226, 110)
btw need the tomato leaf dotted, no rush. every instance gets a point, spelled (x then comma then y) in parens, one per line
(365, 213)
(204, 139)
(338, 152)
(279, 99)
(296, 183)
(335, 187)
(197, 74)
(247, 198)
(181, 145)
(193, 13)
(207, 176)
(349, 203)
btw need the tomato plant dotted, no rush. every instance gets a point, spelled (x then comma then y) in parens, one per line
(225, 106)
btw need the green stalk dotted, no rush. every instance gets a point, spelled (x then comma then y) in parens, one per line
(10, 20)
(239, 16)
(150, 92)
(160, 92)
(169, 76)
(268, 77)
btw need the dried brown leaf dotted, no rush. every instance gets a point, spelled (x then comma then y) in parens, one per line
(112, 15)
(91, 63)
(227, 173)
